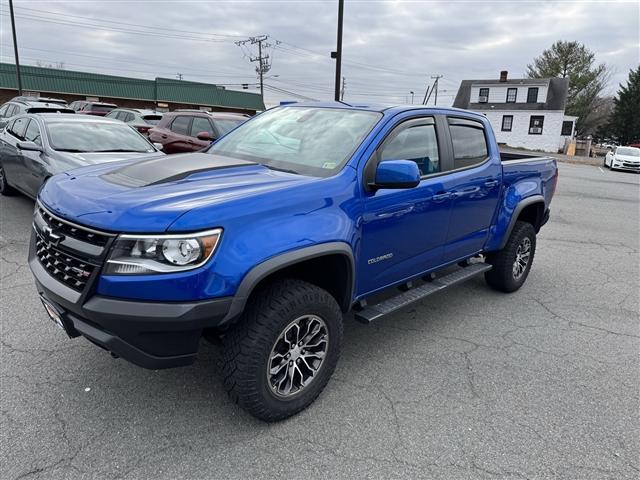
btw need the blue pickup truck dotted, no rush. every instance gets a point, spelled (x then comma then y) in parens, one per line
(266, 239)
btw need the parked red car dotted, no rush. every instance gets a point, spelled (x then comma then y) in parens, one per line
(192, 130)
(99, 109)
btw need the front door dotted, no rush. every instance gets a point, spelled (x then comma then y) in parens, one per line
(404, 230)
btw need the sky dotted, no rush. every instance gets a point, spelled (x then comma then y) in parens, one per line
(390, 48)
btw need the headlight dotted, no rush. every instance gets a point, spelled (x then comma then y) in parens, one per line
(148, 254)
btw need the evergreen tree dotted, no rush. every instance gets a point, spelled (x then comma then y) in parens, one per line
(625, 119)
(586, 81)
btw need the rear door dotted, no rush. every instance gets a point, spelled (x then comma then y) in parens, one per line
(404, 230)
(176, 140)
(474, 184)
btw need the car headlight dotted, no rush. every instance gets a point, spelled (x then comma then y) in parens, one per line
(149, 254)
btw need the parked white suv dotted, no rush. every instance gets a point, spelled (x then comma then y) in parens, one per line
(623, 158)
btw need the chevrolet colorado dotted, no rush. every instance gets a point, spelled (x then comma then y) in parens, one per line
(266, 239)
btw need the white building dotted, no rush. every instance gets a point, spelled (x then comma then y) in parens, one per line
(524, 113)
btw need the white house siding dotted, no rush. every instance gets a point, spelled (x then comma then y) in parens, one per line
(519, 137)
(498, 93)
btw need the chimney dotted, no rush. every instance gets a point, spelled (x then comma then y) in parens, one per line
(503, 75)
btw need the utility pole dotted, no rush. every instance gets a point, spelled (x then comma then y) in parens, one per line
(344, 84)
(430, 91)
(15, 47)
(435, 87)
(179, 76)
(338, 53)
(264, 64)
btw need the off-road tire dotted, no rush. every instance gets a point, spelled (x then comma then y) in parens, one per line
(5, 188)
(501, 277)
(247, 347)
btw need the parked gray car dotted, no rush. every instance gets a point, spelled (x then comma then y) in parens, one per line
(140, 119)
(34, 147)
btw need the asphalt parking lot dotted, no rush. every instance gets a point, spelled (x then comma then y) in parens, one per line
(470, 383)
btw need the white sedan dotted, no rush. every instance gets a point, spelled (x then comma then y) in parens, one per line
(623, 158)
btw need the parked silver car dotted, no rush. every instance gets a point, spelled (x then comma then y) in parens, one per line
(34, 147)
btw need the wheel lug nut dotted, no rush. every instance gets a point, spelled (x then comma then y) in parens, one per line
(300, 344)
(303, 352)
(291, 363)
(298, 361)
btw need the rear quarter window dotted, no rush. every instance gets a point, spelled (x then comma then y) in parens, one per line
(469, 143)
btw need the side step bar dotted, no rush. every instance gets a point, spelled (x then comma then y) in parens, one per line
(373, 312)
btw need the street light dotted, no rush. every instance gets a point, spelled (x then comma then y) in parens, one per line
(411, 97)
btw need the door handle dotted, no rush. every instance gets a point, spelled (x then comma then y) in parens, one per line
(396, 213)
(440, 197)
(491, 183)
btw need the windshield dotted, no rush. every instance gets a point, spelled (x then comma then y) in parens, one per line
(95, 137)
(226, 125)
(306, 140)
(630, 151)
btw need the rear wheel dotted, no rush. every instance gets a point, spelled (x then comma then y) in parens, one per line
(5, 188)
(512, 264)
(281, 354)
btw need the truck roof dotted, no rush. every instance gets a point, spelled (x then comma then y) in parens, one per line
(376, 107)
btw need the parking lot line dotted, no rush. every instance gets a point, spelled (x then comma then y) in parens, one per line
(600, 168)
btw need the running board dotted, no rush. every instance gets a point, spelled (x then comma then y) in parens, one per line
(373, 312)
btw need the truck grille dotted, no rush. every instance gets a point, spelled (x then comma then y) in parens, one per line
(71, 271)
(69, 252)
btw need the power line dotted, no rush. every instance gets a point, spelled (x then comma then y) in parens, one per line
(264, 63)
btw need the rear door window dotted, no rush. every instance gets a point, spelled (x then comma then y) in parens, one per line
(201, 124)
(469, 143)
(180, 125)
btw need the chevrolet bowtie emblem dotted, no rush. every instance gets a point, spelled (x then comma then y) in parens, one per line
(53, 238)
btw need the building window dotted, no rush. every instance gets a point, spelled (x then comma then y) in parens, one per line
(567, 128)
(483, 96)
(507, 122)
(535, 125)
(512, 93)
(532, 95)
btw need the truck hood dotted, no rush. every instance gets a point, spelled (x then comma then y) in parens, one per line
(149, 195)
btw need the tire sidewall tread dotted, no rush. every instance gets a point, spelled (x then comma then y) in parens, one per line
(247, 346)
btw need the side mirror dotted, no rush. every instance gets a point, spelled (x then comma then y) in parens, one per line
(397, 174)
(158, 145)
(29, 146)
(204, 136)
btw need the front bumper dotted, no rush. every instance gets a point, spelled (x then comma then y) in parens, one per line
(149, 334)
(626, 166)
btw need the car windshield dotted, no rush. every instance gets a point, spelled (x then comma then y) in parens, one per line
(628, 151)
(95, 137)
(226, 125)
(306, 140)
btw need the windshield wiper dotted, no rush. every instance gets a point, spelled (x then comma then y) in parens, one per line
(286, 170)
(72, 150)
(116, 150)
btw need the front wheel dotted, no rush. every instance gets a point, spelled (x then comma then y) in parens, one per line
(281, 354)
(512, 264)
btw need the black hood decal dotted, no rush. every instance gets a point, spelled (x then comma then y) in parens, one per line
(169, 168)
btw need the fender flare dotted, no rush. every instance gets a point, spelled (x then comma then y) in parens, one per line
(273, 264)
(516, 212)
